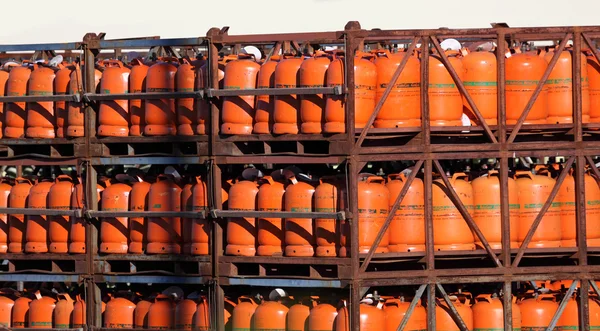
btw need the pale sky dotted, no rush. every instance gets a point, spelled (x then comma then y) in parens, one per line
(40, 21)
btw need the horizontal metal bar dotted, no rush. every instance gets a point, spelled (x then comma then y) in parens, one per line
(152, 257)
(276, 214)
(146, 43)
(40, 47)
(125, 160)
(44, 212)
(185, 214)
(273, 282)
(148, 279)
(41, 98)
(5, 277)
(337, 90)
(143, 96)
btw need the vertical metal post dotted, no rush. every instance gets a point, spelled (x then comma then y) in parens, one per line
(431, 307)
(507, 303)
(352, 44)
(428, 209)
(501, 84)
(584, 305)
(354, 310)
(577, 99)
(425, 125)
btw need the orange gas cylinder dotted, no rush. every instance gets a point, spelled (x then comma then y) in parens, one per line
(480, 80)
(79, 313)
(202, 317)
(164, 233)
(322, 317)
(445, 100)
(186, 222)
(37, 226)
(18, 197)
(407, 229)
(395, 309)
(6, 307)
(161, 313)
(238, 111)
(187, 114)
(184, 314)
(450, 230)
(41, 122)
(137, 225)
(373, 208)
(59, 197)
(444, 321)
(137, 80)
(270, 316)
(403, 105)
(61, 87)
(241, 231)
(486, 201)
(204, 107)
(593, 71)
(241, 317)
(488, 313)
(270, 230)
(63, 312)
(3, 80)
(5, 189)
(15, 114)
(312, 74)
(372, 318)
(297, 317)
(77, 232)
(140, 314)
(523, 72)
(365, 78)
(20, 313)
(113, 116)
(569, 320)
(119, 314)
(560, 89)
(75, 118)
(159, 114)
(537, 312)
(114, 230)
(200, 227)
(263, 117)
(41, 311)
(329, 198)
(299, 232)
(286, 110)
(533, 193)
(566, 198)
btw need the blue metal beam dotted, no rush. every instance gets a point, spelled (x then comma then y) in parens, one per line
(146, 279)
(146, 43)
(39, 47)
(38, 278)
(271, 282)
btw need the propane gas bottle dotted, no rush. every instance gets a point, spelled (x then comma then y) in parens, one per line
(18, 197)
(36, 233)
(402, 108)
(534, 190)
(443, 319)
(79, 313)
(159, 115)
(445, 100)
(59, 197)
(372, 318)
(241, 231)
(204, 106)
(75, 117)
(395, 310)
(488, 313)
(560, 89)
(61, 87)
(41, 121)
(15, 114)
(569, 320)
(523, 73)
(373, 207)
(566, 198)
(286, 111)
(200, 226)
(480, 80)
(161, 313)
(137, 84)
(299, 232)
(186, 222)
(486, 201)
(270, 230)
(312, 74)
(184, 314)
(407, 228)
(322, 318)
(365, 77)
(77, 232)
(450, 230)
(6, 308)
(241, 317)
(114, 230)
(329, 198)
(593, 71)
(5, 189)
(263, 116)
(113, 115)
(63, 312)
(202, 316)
(164, 233)
(41, 311)
(140, 314)
(20, 313)
(3, 85)
(187, 110)
(297, 317)
(119, 314)
(270, 316)
(238, 111)
(537, 312)
(137, 225)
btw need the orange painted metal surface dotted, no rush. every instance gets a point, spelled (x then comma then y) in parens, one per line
(18, 197)
(450, 230)
(59, 197)
(322, 317)
(159, 115)
(79, 313)
(395, 310)
(187, 110)
(15, 113)
(36, 233)
(63, 312)
(184, 314)
(6, 307)
(113, 116)
(312, 107)
(263, 116)
(566, 199)
(5, 189)
(41, 120)
(77, 232)
(241, 231)
(75, 118)
(373, 208)
(445, 100)
(270, 230)
(243, 313)
(41, 311)
(137, 84)
(119, 314)
(140, 314)
(61, 87)
(297, 317)
(270, 316)
(164, 233)
(202, 317)
(299, 232)
(372, 318)
(480, 80)
(20, 313)
(200, 228)
(286, 111)
(523, 72)
(238, 111)
(569, 320)
(537, 312)
(444, 321)
(407, 229)
(4, 74)
(114, 231)
(593, 71)
(137, 225)
(330, 197)
(488, 313)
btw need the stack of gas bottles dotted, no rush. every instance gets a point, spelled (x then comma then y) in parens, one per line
(528, 191)
(290, 114)
(41, 310)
